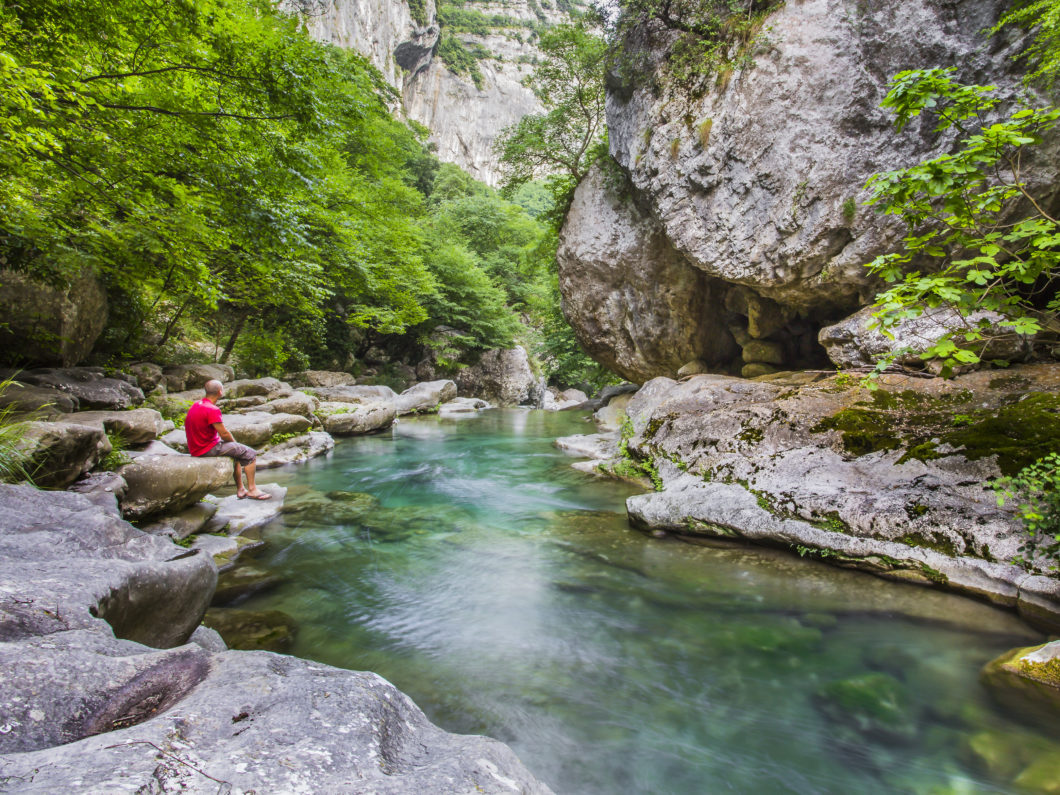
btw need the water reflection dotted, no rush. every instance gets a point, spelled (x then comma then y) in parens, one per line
(506, 594)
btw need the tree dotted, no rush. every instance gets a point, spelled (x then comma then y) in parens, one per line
(978, 237)
(561, 143)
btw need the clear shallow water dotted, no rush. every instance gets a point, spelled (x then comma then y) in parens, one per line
(506, 594)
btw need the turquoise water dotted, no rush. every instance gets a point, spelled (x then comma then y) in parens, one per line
(506, 594)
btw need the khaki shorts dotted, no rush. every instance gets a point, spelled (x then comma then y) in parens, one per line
(240, 452)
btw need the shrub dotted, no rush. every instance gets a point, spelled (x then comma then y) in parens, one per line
(13, 458)
(1036, 490)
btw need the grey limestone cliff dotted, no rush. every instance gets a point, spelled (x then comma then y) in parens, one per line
(757, 183)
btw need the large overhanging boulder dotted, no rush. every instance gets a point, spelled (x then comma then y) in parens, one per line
(756, 184)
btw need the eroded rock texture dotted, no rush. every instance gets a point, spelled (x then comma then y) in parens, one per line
(160, 709)
(757, 182)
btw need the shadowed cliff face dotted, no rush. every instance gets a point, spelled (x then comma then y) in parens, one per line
(758, 181)
(463, 114)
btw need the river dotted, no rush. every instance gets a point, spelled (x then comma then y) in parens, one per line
(507, 595)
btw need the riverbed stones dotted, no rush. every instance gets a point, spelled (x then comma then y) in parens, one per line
(264, 630)
(57, 454)
(92, 388)
(463, 405)
(362, 393)
(37, 401)
(502, 376)
(86, 711)
(297, 403)
(297, 450)
(425, 397)
(163, 484)
(1027, 681)
(148, 375)
(350, 419)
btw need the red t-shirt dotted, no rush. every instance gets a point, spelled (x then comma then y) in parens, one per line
(198, 427)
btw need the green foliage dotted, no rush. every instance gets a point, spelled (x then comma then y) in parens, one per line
(462, 58)
(629, 465)
(280, 438)
(977, 238)
(207, 159)
(561, 143)
(1043, 55)
(710, 38)
(418, 9)
(116, 457)
(14, 461)
(850, 210)
(1036, 492)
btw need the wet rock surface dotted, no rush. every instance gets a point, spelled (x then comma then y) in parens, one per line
(87, 707)
(888, 481)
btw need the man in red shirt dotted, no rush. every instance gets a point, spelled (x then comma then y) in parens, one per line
(207, 436)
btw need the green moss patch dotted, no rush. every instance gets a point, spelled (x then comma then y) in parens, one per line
(1018, 433)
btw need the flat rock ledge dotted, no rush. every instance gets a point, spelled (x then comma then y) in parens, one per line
(894, 481)
(107, 689)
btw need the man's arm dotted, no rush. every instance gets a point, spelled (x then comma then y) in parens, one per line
(223, 432)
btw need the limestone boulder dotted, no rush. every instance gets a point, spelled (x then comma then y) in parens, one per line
(501, 376)
(320, 378)
(636, 304)
(255, 428)
(611, 416)
(235, 516)
(347, 419)
(182, 377)
(56, 454)
(148, 375)
(159, 484)
(59, 549)
(269, 388)
(89, 385)
(1027, 681)
(298, 403)
(425, 396)
(104, 489)
(176, 439)
(853, 342)
(138, 426)
(297, 450)
(36, 400)
(554, 400)
(463, 406)
(758, 180)
(51, 325)
(355, 394)
(874, 479)
(183, 524)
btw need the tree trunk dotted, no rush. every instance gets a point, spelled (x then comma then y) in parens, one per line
(232, 339)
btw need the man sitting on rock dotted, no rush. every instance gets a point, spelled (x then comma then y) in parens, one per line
(207, 436)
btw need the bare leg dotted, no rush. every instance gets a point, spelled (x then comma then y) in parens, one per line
(240, 491)
(250, 469)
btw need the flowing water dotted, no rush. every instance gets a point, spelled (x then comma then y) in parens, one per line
(507, 595)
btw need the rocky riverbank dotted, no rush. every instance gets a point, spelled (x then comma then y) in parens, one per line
(111, 683)
(893, 481)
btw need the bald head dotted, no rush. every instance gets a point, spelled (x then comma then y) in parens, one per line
(213, 388)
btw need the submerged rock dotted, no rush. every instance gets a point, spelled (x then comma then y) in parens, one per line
(265, 630)
(875, 705)
(87, 704)
(1027, 681)
(894, 481)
